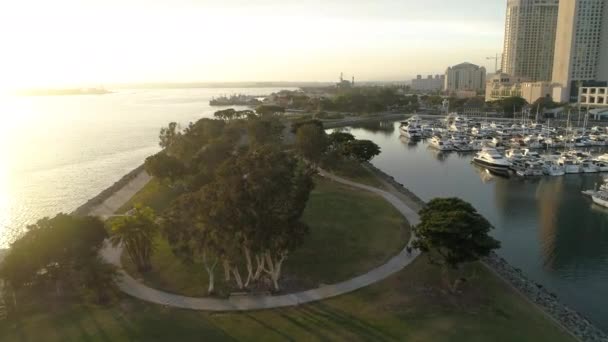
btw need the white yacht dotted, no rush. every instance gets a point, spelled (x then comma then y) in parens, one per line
(530, 169)
(587, 166)
(411, 130)
(440, 144)
(491, 159)
(600, 198)
(601, 166)
(514, 153)
(552, 168)
(570, 164)
(531, 154)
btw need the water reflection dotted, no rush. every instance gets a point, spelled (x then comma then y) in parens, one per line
(386, 127)
(546, 226)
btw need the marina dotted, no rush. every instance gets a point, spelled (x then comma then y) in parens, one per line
(547, 227)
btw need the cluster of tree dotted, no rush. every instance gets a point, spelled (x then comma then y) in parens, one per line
(451, 232)
(510, 105)
(242, 203)
(368, 100)
(314, 145)
(250, 214)
(58, 257)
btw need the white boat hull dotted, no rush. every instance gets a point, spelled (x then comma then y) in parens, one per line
(599, 201)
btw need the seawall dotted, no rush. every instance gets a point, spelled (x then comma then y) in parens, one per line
(94, 202)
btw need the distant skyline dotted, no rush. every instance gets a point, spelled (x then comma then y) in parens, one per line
(95, 42)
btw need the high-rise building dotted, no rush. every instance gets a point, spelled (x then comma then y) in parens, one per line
(465, 77)
(530, 38)
(581, 48)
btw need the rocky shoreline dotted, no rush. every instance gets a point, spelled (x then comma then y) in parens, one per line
(571, 321)
(86, 208)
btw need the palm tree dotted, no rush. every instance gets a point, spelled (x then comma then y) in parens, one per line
(136, 232)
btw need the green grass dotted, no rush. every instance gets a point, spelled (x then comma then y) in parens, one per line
(156, 195)
(354, 171)
(408, 306)
(351, 232)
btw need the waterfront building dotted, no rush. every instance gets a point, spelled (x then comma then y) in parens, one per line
(529, 41)
(465, 77)
(502, 85)
(429, 84)
(594, 96)
(581, 48)
(532, 91)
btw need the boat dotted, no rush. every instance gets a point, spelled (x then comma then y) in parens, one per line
(570, 164)
(601, 166)
(530, 169)
(513, 153)
(491, 159)
(552, 168)
(587, 166)
(438, 143)
(600, 198)
(411, 130)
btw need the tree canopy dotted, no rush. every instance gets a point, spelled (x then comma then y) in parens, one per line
(163, 166)
(136, 232)
(311, 142)
(362, 150)
(60, 255)
(452, 232)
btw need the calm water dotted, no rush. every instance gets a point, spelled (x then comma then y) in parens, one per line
(57, 152)
(547, 228)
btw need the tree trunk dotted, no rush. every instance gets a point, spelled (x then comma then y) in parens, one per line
(249, 266)
(226, 265)
(237, 277)
(210, 267)
(274, 268)
(260, 261)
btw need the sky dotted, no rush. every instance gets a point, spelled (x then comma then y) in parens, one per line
(94, 42)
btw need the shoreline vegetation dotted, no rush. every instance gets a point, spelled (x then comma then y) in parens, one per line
(401, 306)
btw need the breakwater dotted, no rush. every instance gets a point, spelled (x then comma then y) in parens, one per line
(87, 207)
(364, 119)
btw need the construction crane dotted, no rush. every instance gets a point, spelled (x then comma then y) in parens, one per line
(495, 58)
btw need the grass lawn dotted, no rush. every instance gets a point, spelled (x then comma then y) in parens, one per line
(156, 195)
(354, 171)
(351, 232)
(408, 306)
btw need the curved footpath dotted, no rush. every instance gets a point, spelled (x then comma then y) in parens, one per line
(137, 289)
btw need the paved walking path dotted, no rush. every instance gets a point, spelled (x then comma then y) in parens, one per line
(242, 303)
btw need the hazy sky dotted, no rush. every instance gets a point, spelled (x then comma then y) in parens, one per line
(63, 42)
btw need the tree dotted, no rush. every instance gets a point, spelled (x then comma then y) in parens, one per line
(226, 114)
(163, 166)
(311, 143)
(269, 110)
(168, 135)
(337, 139)
(452, 232)
(254, 207)
(296, 125)
(511, 105)
(264, 131)
(136, 232)
(55, 254)
(190, 238)
(362, 150)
